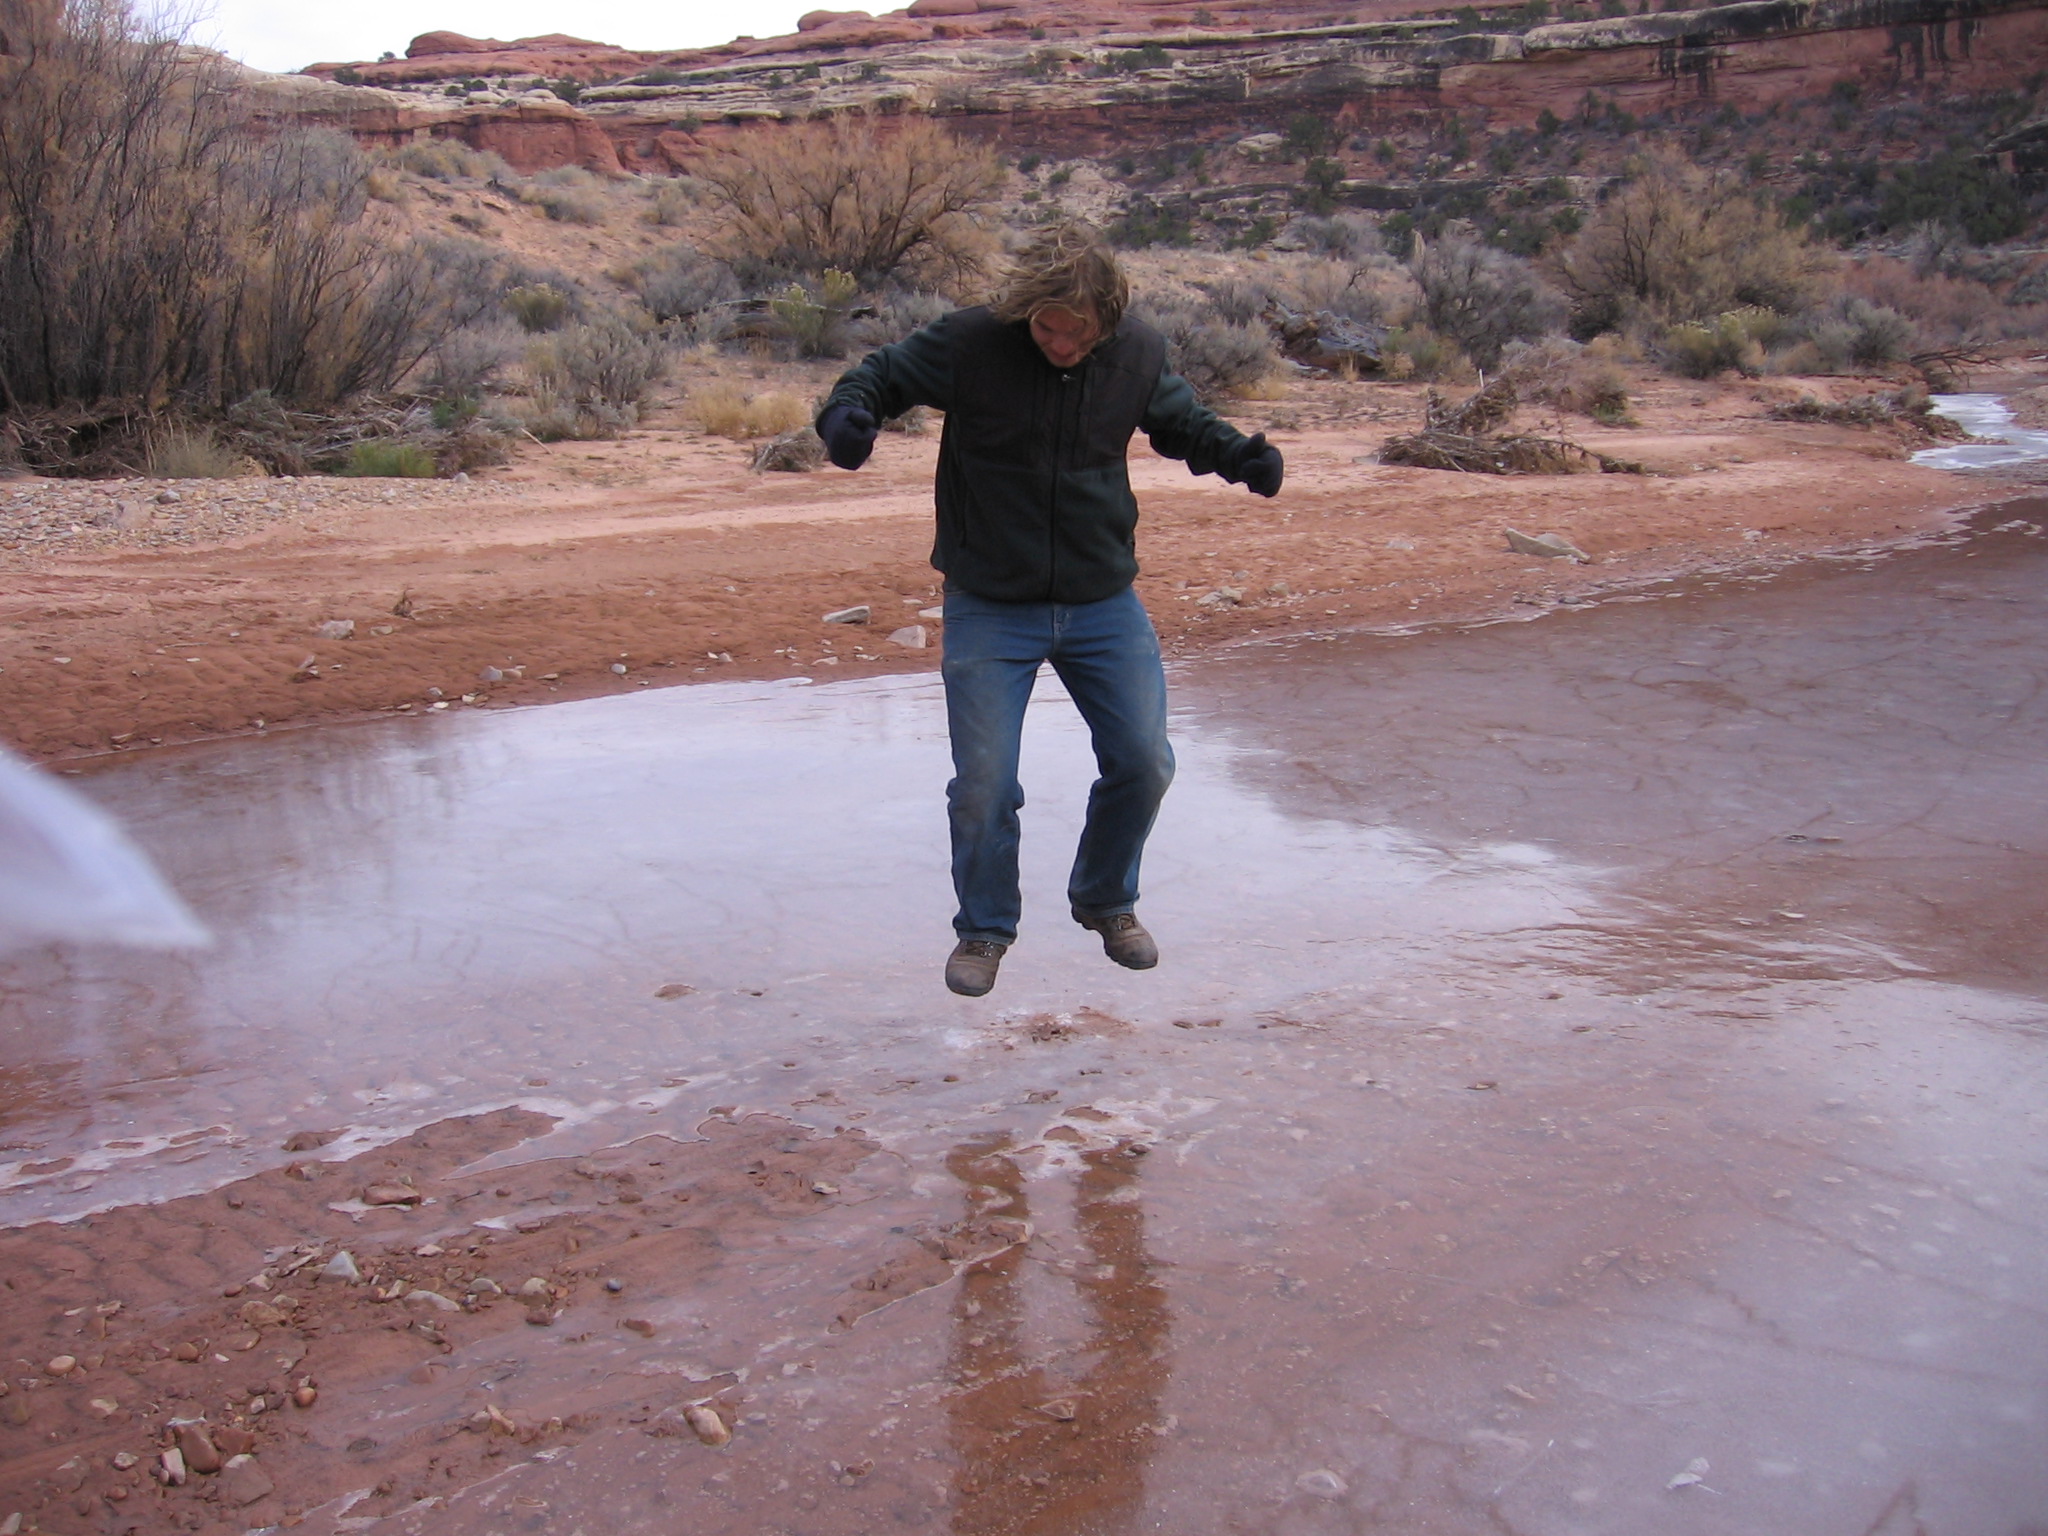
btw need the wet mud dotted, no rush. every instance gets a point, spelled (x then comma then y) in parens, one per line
(1593, 1086)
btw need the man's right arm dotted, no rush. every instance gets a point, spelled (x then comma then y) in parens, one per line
(917, 370)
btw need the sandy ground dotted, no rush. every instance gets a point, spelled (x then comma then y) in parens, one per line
(587, 568)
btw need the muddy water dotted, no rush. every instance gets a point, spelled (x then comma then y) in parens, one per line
(1594, 1085)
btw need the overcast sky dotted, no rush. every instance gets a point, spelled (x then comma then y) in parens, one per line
(282, 38)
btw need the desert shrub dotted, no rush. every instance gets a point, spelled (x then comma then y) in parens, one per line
(603, 363)
(856, 194)
(1948, 309)
(1558, 372)
(723, 410)
(1699, 349)
(1684, 245)
(449, 160)
(680, 281)
(467, 363)
(812, 316)
(385, 186)
(1218, 358)
(1343, 237)
(901, 311)
(1415, 352)
(182, 451)
(567, 205)
(538, 307)
(154, 248)
(403, 461)
(1850, 334)
(1482, 299)
(1367, 291)
(1240, 300)
(671, 201)
(1148, 221)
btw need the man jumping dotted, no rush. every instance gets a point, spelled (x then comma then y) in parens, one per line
(1037, 529)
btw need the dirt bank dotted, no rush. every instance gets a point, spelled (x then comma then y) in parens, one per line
(128, 619)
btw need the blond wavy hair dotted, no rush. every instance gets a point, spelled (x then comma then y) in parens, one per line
(1065, 266)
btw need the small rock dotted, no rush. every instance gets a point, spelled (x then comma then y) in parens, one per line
(390, 1194)
(130, 516)
(673, 989)
(910, 637)
(309, 1141)
(639, 1325)
(125, 1460)
(1060, 1408)
(619, 668)
(243, 1482)
(185, 1352)
(63, 1365)
(1550, 546)
(337, 629)
(342, 1267)
(707, 1425)
(105, 1407)
(305, 1394)
(260, 1314)
(1323, 1484)
(168, 498)
(615, 1285)
(820, 1187)
(490, 675)
(933, 614)
(858, 614)
(170, 1468)
(540, 1317)
(428, 1251)
(433, 1299)
(197, 1447)
(232, 1440)
(533, 1285)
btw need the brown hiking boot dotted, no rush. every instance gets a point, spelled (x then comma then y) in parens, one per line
(971, 968)
(1124, 939)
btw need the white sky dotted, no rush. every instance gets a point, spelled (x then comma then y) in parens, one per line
(282, 38)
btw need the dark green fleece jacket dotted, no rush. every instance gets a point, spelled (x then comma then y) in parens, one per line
(1034, 498)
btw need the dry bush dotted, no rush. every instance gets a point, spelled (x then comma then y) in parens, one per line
(567, 194)
(154, 248)
(680, 283)
(852, 193)
(1217, 357)
(450, 160)
(723, 410)
(1371, 290)
(1680, 244)
(1849, 334)
(1738, 340)
(1558, 372)
(467, 363)
(672, 200)
(1482, 298)
(539, 307)
(1950, 311)
(604, 363)
(898, 313)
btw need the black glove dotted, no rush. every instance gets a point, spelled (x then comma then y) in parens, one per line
(1259, 468)
(849, 435)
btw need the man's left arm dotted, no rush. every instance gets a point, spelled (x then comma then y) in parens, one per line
(1181, 427)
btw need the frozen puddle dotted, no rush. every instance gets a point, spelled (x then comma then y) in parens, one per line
(1983, 416)
(1594, 1084)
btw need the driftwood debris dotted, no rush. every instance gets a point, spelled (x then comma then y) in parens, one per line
(796, 452)
(1464, 436)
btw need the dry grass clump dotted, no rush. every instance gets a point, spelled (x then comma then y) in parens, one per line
(1560, 373)
(450, 160)
(187, 451)
(587, 381)
(724, 410)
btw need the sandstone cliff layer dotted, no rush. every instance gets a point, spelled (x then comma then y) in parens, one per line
(1053, 84)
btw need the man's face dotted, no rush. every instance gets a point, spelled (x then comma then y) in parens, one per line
(1064, 335)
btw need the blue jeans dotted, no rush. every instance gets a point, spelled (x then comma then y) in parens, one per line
(1108, 656)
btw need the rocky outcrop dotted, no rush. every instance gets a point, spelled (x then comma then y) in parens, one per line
(1067, 82)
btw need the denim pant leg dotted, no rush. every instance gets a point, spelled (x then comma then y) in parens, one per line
(1107, 654)
(992, 654)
